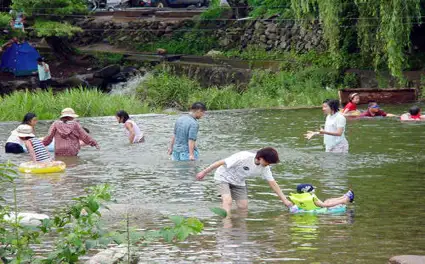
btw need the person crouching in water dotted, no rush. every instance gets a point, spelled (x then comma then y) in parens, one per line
(67, 134)
(231, 173)
(35, 147)
(135, 135)
(305, 199)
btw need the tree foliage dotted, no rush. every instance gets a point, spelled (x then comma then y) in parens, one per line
(383, 26)
(49, 15)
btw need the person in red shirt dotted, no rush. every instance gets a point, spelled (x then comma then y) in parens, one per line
(351, 107)
(373, 110)
(413, 115)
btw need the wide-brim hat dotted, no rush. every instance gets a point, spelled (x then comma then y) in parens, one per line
(68, 112)
(25, 131)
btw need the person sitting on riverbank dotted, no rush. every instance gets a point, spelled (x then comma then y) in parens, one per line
(67, 134)
(374, 110)
(350, 109)
(232, 171)
(305, 198)
(334, 131)
(413, 115)
(183, 142)
(35, 147)
(135, 135)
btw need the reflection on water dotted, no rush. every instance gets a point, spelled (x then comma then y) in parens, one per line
(385, 168)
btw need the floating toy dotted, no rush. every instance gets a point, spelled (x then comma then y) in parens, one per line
(40, 168)
(323, 210)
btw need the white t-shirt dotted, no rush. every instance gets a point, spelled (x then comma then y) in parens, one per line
(333, 122)
(43, 75)
(240, 166)
(13, 138)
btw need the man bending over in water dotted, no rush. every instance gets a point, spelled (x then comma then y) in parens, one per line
(231, 174)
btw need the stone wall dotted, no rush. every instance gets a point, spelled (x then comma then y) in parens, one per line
(268, 34)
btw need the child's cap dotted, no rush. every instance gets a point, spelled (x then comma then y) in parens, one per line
(305, 188)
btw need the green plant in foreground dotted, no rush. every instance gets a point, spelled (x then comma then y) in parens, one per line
(76, 228)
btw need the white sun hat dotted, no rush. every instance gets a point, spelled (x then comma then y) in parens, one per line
(68, 112)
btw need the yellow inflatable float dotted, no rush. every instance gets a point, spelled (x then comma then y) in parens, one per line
(40, 168)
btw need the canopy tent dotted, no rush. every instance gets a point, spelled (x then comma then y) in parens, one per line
(20, 59)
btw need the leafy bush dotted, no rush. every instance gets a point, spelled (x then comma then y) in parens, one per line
(4, 20)
(266, 89)
(76, 229)
(196, 42)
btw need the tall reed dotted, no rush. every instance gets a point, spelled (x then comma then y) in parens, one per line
(86, 102)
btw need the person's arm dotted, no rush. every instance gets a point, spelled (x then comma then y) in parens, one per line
(210, 168)
(46, 67)
(193, 134)
(170, 149)
(49, 138)
(192, 146)
(275, 187)
(338, 132)
(391, 115)
(130, 128)
(30, 150)
(86, 138)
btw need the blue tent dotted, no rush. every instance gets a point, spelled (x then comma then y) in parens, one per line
(20, 59)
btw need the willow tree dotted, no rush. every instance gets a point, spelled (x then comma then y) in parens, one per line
(383, 27)
(48, 21)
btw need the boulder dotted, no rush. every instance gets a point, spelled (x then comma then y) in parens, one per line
(113, 255)
(407, 259)
(73, 81)
(30, 219)
(11, 86)
(108, 71)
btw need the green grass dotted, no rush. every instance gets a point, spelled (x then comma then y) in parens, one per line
(266, 89)
(195, 42)
(85, 102)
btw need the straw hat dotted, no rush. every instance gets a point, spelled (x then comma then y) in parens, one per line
(68, 112)
(25, 131)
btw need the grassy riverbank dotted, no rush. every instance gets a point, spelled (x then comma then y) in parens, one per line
(266, 89)
(85, 102)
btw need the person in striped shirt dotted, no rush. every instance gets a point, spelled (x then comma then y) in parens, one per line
(35, 147)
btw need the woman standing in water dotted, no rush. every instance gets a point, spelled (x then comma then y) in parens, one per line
(135, 135)
(67, 134)
(14, 144)
(334, 132)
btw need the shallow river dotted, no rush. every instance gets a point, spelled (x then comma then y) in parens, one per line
(385, 167)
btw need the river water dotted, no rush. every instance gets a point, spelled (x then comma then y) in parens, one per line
(385, 169)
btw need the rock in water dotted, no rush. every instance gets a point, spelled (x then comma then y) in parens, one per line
(31, 219)
(407, 259)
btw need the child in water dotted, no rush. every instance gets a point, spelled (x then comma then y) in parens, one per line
(413, 115)
(350, 109)
(305, 198)
(36, 149)
(135, 135)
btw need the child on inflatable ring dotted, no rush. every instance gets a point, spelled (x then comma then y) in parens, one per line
(36, 149)
(305, 199)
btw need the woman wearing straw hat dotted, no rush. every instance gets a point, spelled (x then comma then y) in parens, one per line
(67, 134)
